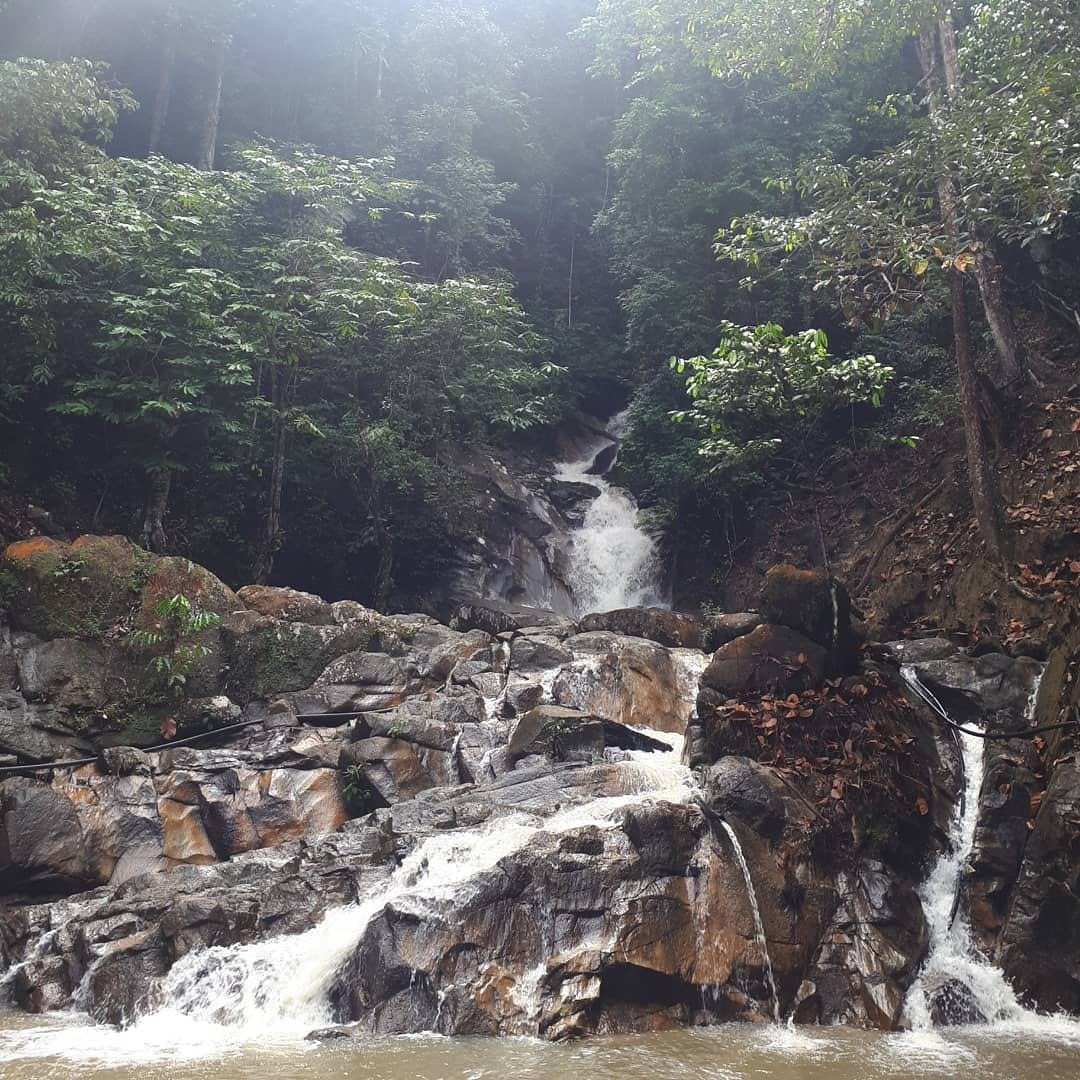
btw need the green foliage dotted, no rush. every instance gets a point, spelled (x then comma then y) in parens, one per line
(760, 386)
(173, 643)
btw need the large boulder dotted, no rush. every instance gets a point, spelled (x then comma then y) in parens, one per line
(629, 680)
(868, 956)
(1039, 946)
(65, 672)
(563, 733)
(770, 660)
(500, 617)
(814, 604)
(35, 732)
(736, 787)
(287, 604)
(76, 590)
(654, 624)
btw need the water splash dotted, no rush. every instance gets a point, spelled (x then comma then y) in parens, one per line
(953, 954)
(755, 911)
(613, 563)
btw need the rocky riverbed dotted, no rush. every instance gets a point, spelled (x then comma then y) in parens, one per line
(510, 824)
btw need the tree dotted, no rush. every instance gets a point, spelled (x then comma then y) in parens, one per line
(870, 218)
(760, 387)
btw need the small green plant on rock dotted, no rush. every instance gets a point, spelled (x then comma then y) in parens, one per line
(173, 642)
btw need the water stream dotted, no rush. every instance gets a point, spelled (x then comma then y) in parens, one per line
(953, 957)
(612, 562)
(755, 911)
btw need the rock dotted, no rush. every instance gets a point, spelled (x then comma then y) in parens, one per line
(125, 761)
(288, 605)
(35, 732)
(357, 682)
(562, 733)
(869, 955)
(736, 787)
(1039, 946)
(171, 576)
(815, 605)
(40, 837)
(572, 498)
(537, 652)
(498, 617)
(64, 672)
(720, 629)
(953, 1004)
(654, 624)
(771, 659)
(76, 590)
(629, 680)
(264, 656)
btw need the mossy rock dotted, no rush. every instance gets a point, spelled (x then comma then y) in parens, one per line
(172, 576)
(77, 590)
(266, 657)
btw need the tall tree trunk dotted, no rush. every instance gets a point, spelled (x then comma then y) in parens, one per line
(998, 313)
(208, 139)
(157, 502)
(987, 272)
(272, 534)
(984, 493)
(163, 94)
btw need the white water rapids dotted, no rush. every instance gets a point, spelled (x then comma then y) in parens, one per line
(613, 562)
(953, 953)
(275, 991)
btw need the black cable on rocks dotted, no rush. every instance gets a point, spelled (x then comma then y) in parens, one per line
(73, 763)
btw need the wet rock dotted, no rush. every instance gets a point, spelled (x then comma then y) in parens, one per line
(562, 733)
(498, 617)
(572, 498)
(35, 732)
(125, 761)
(869, 955)
(771, 659)
(40, 836)
(654, 624)
(953, 1004)
(720, 629)
(736, 787)
(629, 680)
(815, 605)
(1039, 946)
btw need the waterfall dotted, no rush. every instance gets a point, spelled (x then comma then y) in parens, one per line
(953, 956)
(612, 562)
(275, 991)
(755, 911)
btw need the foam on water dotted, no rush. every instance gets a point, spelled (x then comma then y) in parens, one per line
(273, 992)
(613, 563)
(953, 953)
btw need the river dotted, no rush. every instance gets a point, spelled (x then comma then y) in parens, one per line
(32, 1049)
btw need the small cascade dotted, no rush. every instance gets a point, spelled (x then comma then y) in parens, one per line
(612, 562)
(954, 963)
(278, 989)
(755, 911)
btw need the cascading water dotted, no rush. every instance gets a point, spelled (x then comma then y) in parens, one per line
(755, 911)
(953, 955)
(274, 992)
(612, 562)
